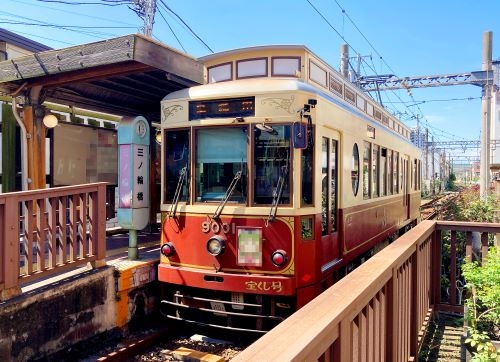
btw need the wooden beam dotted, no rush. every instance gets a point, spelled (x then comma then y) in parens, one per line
(87, 75)
(35, 147)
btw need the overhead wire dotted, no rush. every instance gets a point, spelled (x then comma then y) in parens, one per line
(162, 2)
(430, 129)
(73, 28)
(172, 30)
(382, 59)
(101, 2)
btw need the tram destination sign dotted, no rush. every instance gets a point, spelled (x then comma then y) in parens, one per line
(233, 107)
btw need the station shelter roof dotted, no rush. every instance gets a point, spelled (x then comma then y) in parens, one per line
(125, 76)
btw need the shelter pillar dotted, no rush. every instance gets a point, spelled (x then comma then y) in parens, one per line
(8, 149)
(36, 131)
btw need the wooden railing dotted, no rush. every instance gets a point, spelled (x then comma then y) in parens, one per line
(49, 231)
(380, 311)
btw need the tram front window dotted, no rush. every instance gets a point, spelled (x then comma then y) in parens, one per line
(177, 160)
(272, 165)
(220, 154)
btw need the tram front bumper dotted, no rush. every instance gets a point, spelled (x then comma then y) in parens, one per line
(243, 283)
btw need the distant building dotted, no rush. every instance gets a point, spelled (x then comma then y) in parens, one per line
(13, 45)
(417, 137)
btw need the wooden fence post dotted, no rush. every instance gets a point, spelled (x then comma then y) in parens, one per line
(99, 218)
(9, 247)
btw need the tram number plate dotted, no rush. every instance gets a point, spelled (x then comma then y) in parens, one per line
(218, 308)
(237, 298)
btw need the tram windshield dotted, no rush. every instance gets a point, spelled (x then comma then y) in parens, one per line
(177, 160)
(272, 161)
(220, 158)
(220, 154)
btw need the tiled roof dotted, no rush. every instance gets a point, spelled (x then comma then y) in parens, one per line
(22, 42)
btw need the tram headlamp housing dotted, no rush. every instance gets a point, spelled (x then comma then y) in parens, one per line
(167, 249)
(279, 257)
(216, 245)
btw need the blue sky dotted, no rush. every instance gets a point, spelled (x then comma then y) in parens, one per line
(405, 38)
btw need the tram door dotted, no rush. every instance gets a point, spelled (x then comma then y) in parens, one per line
(329, 198)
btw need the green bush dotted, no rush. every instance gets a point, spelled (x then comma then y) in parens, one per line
(483, 304)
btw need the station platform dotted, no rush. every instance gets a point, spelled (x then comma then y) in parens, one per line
(117, 241)
(84, 302)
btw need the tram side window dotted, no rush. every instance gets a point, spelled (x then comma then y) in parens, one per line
(383, 171)
(307, 176)
(272, 152)
(414, 175)
(355, 169)
(402, 176)
(418, 174)
(324, 186)
(375, 171)
(177, 160)
(333, 182)
(395, 172)
(221, 156)
(390, 166)
(366, 170)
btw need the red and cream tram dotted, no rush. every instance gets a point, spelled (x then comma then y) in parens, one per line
(278, 177)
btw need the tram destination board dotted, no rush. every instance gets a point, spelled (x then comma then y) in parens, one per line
(233, 107)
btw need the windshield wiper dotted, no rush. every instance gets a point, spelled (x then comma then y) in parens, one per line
(277, 193)
(178, 191)
(227, 195)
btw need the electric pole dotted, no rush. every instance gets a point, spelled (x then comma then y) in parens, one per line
(484, 173)
(484, 79)
(146, 9)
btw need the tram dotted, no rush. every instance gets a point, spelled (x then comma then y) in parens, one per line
(279, 176)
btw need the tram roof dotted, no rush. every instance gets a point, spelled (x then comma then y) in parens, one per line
(256, 49)
(126, 76)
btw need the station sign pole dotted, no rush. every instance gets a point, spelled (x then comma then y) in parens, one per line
(133, 178)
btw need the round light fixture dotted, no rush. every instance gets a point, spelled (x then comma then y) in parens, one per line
(167, 249)
(279, 257)
(50, 121)
(216, 245)
(158, 136)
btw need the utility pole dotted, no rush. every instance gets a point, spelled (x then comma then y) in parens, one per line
(146, 9)
(426, 153)
(344, 60)
(484, 173)
(484, 79)
(432, 169)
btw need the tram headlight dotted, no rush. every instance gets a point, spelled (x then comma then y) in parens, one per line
(279, 257)
(167, 249)
(216, 245)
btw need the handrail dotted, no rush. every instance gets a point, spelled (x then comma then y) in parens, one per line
(380, 310)
(48, 231)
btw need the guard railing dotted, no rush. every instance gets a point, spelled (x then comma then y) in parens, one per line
(380, 311)
(49, 231)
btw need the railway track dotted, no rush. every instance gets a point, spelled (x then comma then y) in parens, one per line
(432, 208)
(169, 345)
(166, 345)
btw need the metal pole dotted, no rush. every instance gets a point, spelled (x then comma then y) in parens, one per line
(432, 168)
(484, 172)
(148, 7)
(133, 251)
(344, 60)
(427, 154)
